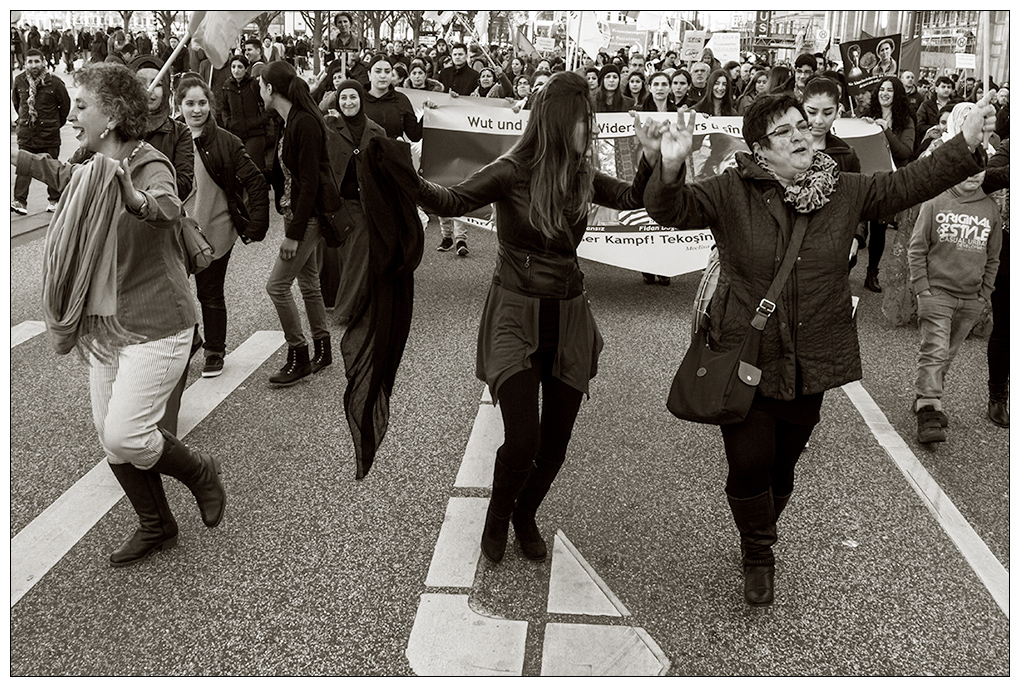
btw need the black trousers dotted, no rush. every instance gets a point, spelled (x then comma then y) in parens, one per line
(209, 284)
(762, 452)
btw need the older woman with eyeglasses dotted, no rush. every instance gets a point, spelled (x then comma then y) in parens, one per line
(809, 344)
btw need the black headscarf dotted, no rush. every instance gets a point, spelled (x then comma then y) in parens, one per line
(356, 123)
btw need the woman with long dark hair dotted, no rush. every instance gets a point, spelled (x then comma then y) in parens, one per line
(135, 321)
(756, 87)
(680, 87)
(610, 97)
(890, 109)
(718, 98)
(659, 99)
(304, 191)
(230, 198)
(537, 330)
(637, 88)
(781, 80)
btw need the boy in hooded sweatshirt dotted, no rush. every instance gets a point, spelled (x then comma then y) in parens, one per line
(953, 257)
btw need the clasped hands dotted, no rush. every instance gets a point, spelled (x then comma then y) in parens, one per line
(672, 140)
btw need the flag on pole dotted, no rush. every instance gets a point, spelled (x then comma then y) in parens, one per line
(444, 17)
(482, 26)
(522, 46)
(583, 27)
(649, 21)
(217, 32)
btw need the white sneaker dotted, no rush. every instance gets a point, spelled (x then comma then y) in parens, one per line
(52, 207)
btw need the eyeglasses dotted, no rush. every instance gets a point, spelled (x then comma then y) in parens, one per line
(786, 130)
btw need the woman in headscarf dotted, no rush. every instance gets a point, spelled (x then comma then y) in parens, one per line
(115, 287)
(491, 87)
(610, 97)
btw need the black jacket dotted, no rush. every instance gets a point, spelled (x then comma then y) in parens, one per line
(312, 191)
(52, 104)
(394, 113)
(244, 113)
(228, 164)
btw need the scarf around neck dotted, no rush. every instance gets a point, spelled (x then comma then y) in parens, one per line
(811, 189)
(33, 89)
(80, 264)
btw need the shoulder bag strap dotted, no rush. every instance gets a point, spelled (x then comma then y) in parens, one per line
(768, 304)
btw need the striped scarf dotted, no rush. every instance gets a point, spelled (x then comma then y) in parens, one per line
(33, 88)
(80, 264)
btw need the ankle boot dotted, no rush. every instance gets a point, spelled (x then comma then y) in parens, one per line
(998, 404)
(323, 353)
(199, 473)
(297, 367)
(756, 521)
(536, 486)
(157, 529)
(871, 281)
(506, 484)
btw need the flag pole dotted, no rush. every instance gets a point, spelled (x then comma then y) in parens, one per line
(170, 60)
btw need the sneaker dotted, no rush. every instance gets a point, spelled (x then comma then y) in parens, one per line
(213, 365)
(929, 426)
(462, 248)
(445, 245)
(19, 207)
(52, 207)
(942, 417)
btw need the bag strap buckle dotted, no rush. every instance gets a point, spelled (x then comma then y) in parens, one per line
(761, 316)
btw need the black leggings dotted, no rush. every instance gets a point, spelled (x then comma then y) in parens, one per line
(526, 436)
(876, 243)
(762, 452)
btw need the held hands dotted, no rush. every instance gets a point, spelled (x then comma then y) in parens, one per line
(980, 121)
(672, 140)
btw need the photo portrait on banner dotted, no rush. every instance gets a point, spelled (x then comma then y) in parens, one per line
(866, 61)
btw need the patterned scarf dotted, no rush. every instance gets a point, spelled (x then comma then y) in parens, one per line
(33, 88)
(810, 190)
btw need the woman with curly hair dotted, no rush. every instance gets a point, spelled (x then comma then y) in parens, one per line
(123, 302)
(890, 109)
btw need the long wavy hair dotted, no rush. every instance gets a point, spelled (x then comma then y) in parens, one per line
(286, 82)
(707, 103)
(781, 80)
(561, 179)
(900, 104)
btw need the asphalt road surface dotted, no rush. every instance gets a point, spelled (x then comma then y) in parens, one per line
(893, 557)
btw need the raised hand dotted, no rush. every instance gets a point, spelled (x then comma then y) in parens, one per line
(677, 143)
(979, 121)
(649, 135)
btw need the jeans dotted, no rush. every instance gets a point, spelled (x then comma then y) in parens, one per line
(209, 283)
(453, 229)
(944, 321)
(762, 452)
(304, 267)
(129, 397)
(22, 182)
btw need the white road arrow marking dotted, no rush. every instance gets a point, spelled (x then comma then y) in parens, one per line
(23, 331)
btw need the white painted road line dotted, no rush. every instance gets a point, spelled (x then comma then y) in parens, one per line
(448, 638)
(480, 454)
(23, 331)
(989, 570)
(455, 559)
(600, 650)
(45, 540)
(575, 587)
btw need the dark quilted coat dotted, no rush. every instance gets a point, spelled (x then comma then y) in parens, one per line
(812, 326)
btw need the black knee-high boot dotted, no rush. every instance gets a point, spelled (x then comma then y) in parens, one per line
(157, 529)
(200, 474)
(756, 521)
(779, 503)
(532, 494)
(506, 485)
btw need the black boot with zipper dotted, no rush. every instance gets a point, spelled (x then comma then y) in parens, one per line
(535, 488)
(157, 529)
(506, 485)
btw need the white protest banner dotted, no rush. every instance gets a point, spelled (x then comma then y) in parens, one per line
(459, 141)
(694, 42)
(966, 60)
(725, 46)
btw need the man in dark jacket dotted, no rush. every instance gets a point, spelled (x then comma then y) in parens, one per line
(459, 78)
(98, 49)
(42, 104)
(928, 111)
